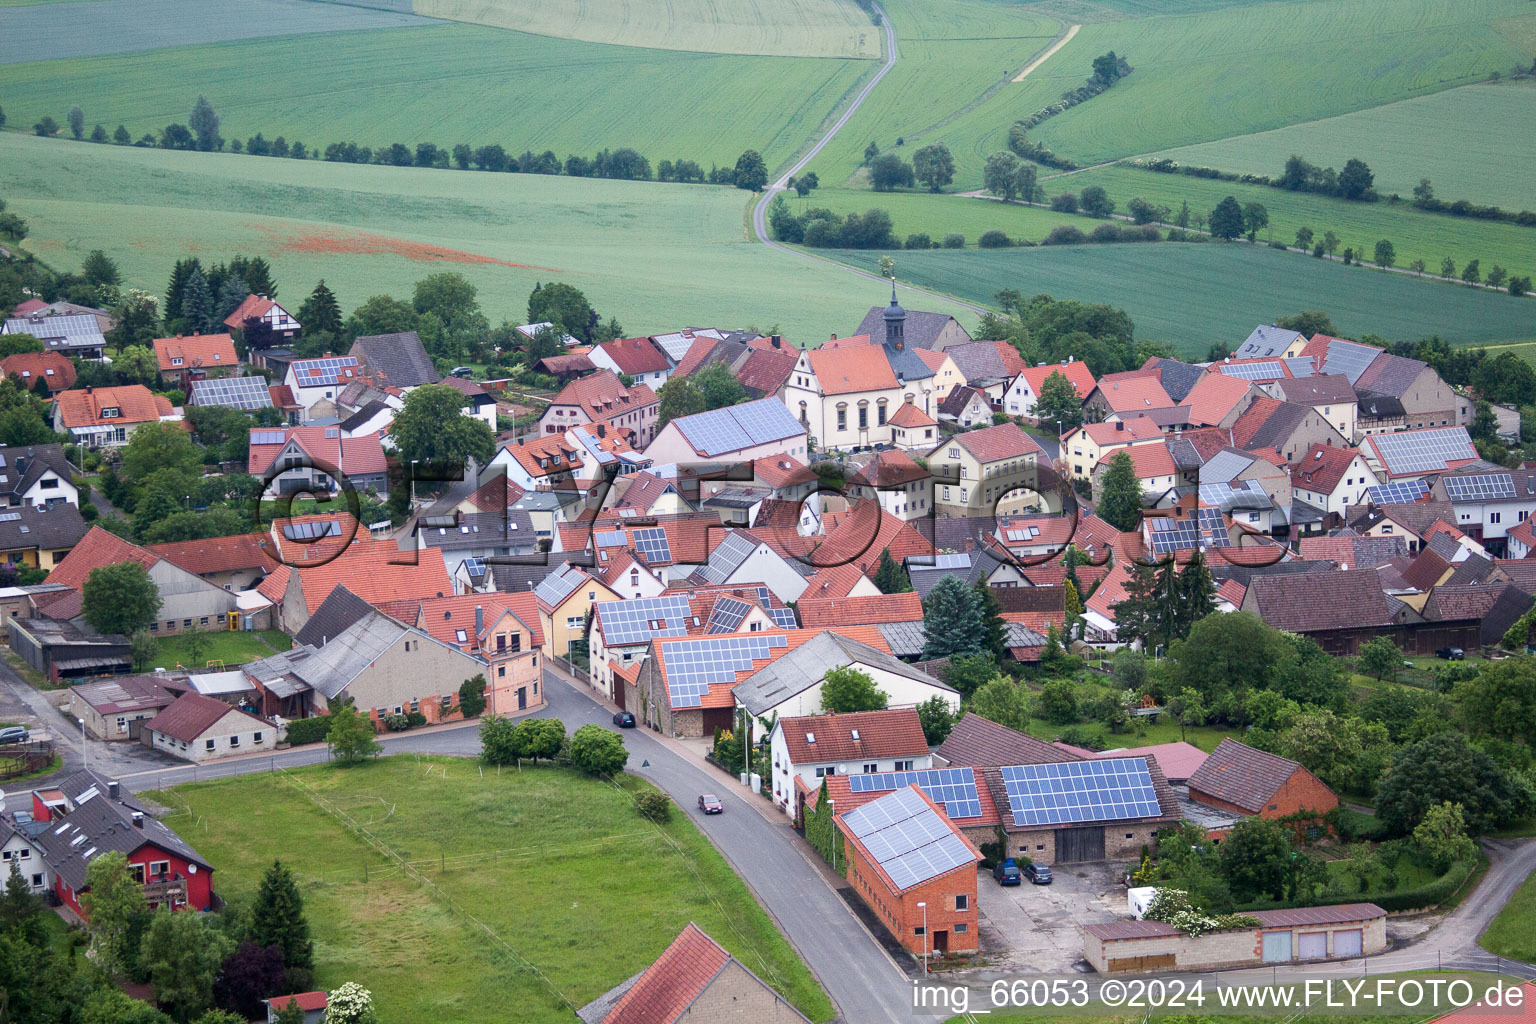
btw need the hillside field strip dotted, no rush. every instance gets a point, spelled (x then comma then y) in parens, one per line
(98, 27)
(1237, 286)
(537, 856)
(655, 256)
(1415, 234)
(781, 28)
(394, 85)
(937, 216)
(1198, 77)
(1480, 135)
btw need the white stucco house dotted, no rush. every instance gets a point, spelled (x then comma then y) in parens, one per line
(811, 747)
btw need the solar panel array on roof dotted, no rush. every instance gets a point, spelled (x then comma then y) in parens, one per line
(642, 619)
(312, 530)
(1109, 789)
(312, 373)
(782, 617)
(558, 585)
(1213, 528)
(268, 437)
(727, 614)
(1022, 533)
(1226, 497)
(1399, 492)
(652, 544)
(728, 557)
(952, 560)
(955, 788)
(1480, 487)
(1268, 370)
(609, 539)
(907, 838)
(1423, 451)
(693, 667)
(1301, 366)
(1170, 534)
(739, 426)
(1224, 466)
(1349, 359)
(232, 392)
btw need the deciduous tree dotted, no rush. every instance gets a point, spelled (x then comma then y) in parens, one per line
(1380, 657)
(112, 897)
(431, 428)
(751, 171)
(1227, 219)
(1059, 402)
(1386, 254)
(183, 957)
(889, 172)
(472, 696)
(120, 598)
(1256, 860)
(1445, 768)
(846, 689)
(597, 751)
(934, 166)
(351, 737)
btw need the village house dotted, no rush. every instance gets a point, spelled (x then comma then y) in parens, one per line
(1154, 467)
(187, 601)
(461, 536)
(1084, 447)
(107, 417)
(932, 331)
(1284, 428)
(1411, 454)
(915, 870)
(1024, 390)
(651, 495)
(693, 981)
(1217, 400)
(765, 372)
(199, 728)
(316, 381)
(639, 359)
(317, 459)
(1489, 502)
(1121, 396)
(479, 404)
(912, 429)
(88, 815)
(29, 367)
(504, 629)
(1281, 936)
(986, 472)
(809, 748)
(72, 335)
(233, 563)
(266, 312)
(902, 487)
(1242, 780)
(988, 367)
(115, 709)
(184, 359)
(398, 360)
(566, 596)
(18, 848)
(603, 398)
(966, 407)
(761, 429)
(1329, 393)
(1269, 341)
(244, 393)
(39, 536)
(1332, 479)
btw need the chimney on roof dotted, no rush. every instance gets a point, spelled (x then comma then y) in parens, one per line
(479, 619)
(138, 819)
(834, 337)
(1119, 424)
(113, 789)
(776, 341)
(262, 295)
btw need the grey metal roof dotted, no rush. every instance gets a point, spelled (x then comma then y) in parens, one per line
(399, 358)
(808, 665)
(1266, 340)
(481, 530)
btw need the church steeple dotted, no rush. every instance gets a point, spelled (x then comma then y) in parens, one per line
(895, 322)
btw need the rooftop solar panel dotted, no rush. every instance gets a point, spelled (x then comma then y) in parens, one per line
(232, 392)
(1399, 492)
(1423, 451)
(1170, 534)
(955, 788)
(268, 437)
(727, 614)
(1227, 498)
(728, 557)
(1268, 370)
(1109, 789)
(782, 617)
(907, 838)
(1349, 359)
(641, 620)
(312, 530)
(312, 373)
(557, 586)
(652, 544)
(1480, 487)
(695, 666)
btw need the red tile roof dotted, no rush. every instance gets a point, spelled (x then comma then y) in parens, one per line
(134, 402)
(200, 351)
(815, 738)
(1150, 460)
(1253, 417)
(635, 355)
(666, 989)
(909, 415)
(193, 714)
(354, 456)
(27, 367)
(376, 571)
(307, 1001)
(1135, 428)
(860, 611)
(97, 548)
(253, 306)
(1214, 396)
(890, 469)
(831, 582)
(1004, 441)
(1322, 468)
(1137, 394)
(218, 554)
(558, 456)
(1111, 591)
(861, 535)
(29, 307)
(842, 371)
(1239, 774)
(1076, 372)
(781, 471)
(603, 396)
(443, 617)
(282, 396)
(766, 371)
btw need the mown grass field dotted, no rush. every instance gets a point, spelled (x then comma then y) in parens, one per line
(1193, 295)
(1513, 932)
(447, 84)
(1413, 233)
(1467, 141)
(1201, 73)
(786, 28)
(557, 865)
(655, 256)
(231, 648)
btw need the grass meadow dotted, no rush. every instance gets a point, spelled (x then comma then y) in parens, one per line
(1202, 73)
(231, 648)
(1193, 295)
(784, 28)
(579, 891)
(1513, 932)
(1413, 233)
(1478, 134)
(937, 216)
(395, 85)
(655, 256)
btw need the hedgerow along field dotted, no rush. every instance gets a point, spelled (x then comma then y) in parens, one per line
(1414, 234)
(655, 256)
(541, 857)
(517, 90)
(1198, 76)
(1470, 142)
(1194, 295)
(782, 28)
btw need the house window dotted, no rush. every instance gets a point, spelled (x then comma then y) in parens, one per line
(961, 928)
(208, 744)
(903, 766)
(962, 902)
(501, 671)
(919, 930)
(234, 741)
(186, 623)
(870, 769)
(1494, 517)
(1130, 835)
(136, 872)
(842, 417)
(204, 621)
(159, 867)
(256, 738)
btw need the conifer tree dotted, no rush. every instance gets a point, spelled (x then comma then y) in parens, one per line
(992, 619)
(277, 918)
(321, 312)
(1119, 497)
(178, 287)
(1195, 595)
(952, 620)
(197, 302)
(890, 577)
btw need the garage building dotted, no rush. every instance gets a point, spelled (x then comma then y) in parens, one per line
(1283, 936)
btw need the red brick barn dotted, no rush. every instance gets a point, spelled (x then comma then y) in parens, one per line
(902, 851)
(1242, 780)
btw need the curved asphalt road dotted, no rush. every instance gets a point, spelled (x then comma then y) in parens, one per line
(760, 211)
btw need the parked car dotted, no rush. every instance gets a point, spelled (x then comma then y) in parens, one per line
(1040, 874)
(1451, 654)
(462, 371)
(624, 719)
(1007, 873)
(710, 804)
(14, 734)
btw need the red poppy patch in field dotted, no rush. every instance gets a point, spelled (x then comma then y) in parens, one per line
(363, 243)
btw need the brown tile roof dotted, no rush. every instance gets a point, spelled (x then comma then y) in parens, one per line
(254, 305)
(134, 402)
(1004, 441)
(890, 469)
(961, 398)
(603, 396)
(1321, 601)
(766, 371)
(666, 989)
(1134, 428)
(1323, 389)
(1462, 602)
(1322, 468)
(635, 355)
(200, 351)
(893, 733)
(1136, 394)
(192, 714)
(218, 554)
(1178, 760)
(860, 611)
(1427, 569)
(979, 741)
(1076, 372)
(27, 367)
(842, 371)
(1214, 396)
(1238, 774)
(96, 549)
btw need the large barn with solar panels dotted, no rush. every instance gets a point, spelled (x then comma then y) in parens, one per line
(735, 434)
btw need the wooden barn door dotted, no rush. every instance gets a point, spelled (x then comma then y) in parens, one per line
(1079, 844)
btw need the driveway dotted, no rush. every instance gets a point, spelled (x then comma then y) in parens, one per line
(1037, 928)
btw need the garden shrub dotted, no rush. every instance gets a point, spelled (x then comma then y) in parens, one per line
(653, 806)
(309, 730)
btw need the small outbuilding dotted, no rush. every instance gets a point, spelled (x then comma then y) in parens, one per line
(199, 728)
(312, 1003)
(1281, 936)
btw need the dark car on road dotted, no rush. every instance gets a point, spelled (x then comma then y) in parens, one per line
(1007, 873)
(1040, 874)
(710, 804)
(14, 734)
(1451, 654)
(624, 719)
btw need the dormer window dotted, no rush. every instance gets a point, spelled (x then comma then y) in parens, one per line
(111, 413)
(176, 361)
